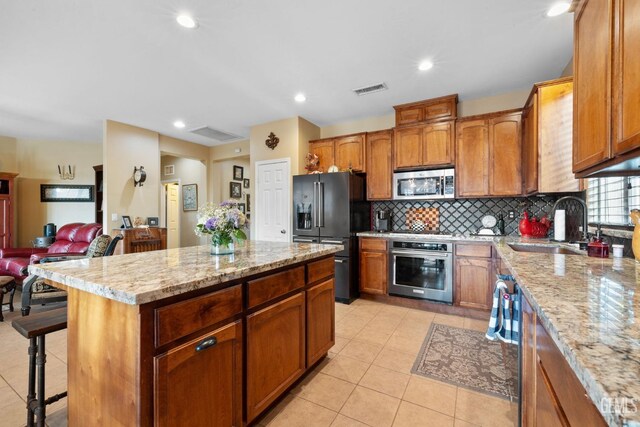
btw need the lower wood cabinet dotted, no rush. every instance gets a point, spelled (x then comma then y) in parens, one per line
(275, 352)
(374, 266)
(321, 331)
(474, 276)
(200, 382)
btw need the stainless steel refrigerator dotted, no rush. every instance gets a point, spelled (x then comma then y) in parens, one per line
(332, 208)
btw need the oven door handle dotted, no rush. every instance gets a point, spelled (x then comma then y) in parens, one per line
(422, 254)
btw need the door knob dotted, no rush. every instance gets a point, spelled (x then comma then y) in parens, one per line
(283, 231)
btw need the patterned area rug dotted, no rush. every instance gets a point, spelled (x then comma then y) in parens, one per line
(465, 358)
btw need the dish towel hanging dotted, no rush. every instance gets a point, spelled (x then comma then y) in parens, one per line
(504, 324)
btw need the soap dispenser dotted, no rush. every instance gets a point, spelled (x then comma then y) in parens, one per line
(597, 247)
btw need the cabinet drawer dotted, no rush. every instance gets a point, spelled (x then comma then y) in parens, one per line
(373, 244)
(271, 287)
(477, 251)
(320, 269)
(183, 318)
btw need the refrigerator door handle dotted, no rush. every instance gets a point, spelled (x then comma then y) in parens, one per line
(321, 204)
(314, 206)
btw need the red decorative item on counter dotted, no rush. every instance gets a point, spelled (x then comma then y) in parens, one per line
(598, 249)
(532, 227)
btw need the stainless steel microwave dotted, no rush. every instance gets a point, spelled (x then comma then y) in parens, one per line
(424, 185)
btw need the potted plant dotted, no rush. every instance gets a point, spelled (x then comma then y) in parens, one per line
(224, 222)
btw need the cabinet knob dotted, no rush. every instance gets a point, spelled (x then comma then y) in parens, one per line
(206, 343)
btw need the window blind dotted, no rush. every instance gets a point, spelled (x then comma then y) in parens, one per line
(611, 199)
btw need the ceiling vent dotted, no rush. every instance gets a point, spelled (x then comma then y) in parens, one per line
(216, 134)
(370, 89)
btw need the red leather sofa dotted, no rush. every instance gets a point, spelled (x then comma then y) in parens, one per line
(71, 239)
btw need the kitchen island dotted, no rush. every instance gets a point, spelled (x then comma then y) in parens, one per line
(181, 337)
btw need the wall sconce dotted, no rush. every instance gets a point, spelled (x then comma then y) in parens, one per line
(67, 172)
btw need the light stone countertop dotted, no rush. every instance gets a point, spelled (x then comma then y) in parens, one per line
(588, 306)
(149, 276)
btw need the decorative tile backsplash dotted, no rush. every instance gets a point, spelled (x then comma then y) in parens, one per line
(465, 215)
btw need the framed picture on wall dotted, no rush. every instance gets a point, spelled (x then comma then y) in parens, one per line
(248, 202)
(242, 207)
(190, 197)
(245, 183)
(235, 190)
(238, 173)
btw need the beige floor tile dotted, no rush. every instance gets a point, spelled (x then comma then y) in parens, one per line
(302, 413)
(362, 301)
(476, 325)
(273, 413)
(371, 407)
(12, 408)
(346, 368)
(325, 390)
(372, 335)
(485, 410)
(342, 421)
(460, 423)
(419, 315)
(434, 395)
(445, 319)
(339, 345)
(348, 330)
(410, 415)
(395, 360)
(366, 311)
(404, 345)
(385, 381)
(396, 310)
(343, 308)
(361, 350)
(416, 333)
(383, 324)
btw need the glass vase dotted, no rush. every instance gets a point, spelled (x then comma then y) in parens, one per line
(222, 249)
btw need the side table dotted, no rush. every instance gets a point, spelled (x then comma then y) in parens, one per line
(7, 286)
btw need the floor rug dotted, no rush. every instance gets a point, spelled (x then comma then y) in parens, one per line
(465, 358)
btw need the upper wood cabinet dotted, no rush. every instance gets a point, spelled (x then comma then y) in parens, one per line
(607, 88)
(424, 145)
(547, 122)
(345, 152)
(443, 108)
(488, 159)
(379, 165)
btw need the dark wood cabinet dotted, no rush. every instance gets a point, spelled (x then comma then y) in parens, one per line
(348, 151)
(140, 239)
(488, 156)
(99, 178)
(7, 200)
(321, 335)
(200, 382)
(374, 266)
(324, 149)
(424, 145)
(275, 352)
(474, 276)
(379, 165)
(407, 147)
(443, 108)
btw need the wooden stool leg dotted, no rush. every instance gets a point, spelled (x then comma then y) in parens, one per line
(31, 393)
(1, 304)
(41, 359)
(13, 292)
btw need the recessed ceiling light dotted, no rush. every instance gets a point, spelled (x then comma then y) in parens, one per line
(558, 9)
(187, 21)
(300, 97)
(179, 124)
(425, 65)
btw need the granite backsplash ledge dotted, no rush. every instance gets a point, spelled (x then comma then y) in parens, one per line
(465, 215)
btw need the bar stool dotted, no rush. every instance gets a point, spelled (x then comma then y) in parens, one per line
(35, 328)
(7, 286)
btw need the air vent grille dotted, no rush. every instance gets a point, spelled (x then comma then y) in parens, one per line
(370, 89)
(216, 134)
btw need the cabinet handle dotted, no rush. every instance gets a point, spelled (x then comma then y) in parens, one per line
(206, 343)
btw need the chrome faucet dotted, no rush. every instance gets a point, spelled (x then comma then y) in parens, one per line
(585, 216)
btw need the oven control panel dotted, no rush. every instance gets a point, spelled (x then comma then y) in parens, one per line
(423, 246)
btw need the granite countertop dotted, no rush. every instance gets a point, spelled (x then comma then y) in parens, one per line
(149, 276)
(588, 306)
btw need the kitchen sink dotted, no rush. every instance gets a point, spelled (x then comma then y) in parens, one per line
(542, 249)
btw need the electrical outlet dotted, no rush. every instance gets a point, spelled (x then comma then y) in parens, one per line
(114, 217)
(511, 214)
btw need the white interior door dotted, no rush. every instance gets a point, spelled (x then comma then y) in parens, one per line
(272, 212)
(173, 216)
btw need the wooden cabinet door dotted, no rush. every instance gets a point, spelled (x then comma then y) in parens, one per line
(529, 362)
(592, 83)
(275, 352)
(472, 158)
(321, 333)
(379, 166)
(473, 284)
(530, 147)
(324, 149)
(349, 152)
(5, 222)
(548, 411)
(626, 83)
(200, 382)
(438, 141)
(505, 176)
(374, 272)
(407, 143)
(409, 115)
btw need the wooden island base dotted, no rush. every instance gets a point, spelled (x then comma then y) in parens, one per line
(219, 356)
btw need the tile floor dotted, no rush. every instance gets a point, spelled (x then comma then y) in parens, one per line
(366, 379)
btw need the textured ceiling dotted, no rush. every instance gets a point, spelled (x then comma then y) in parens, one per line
(65, 66)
